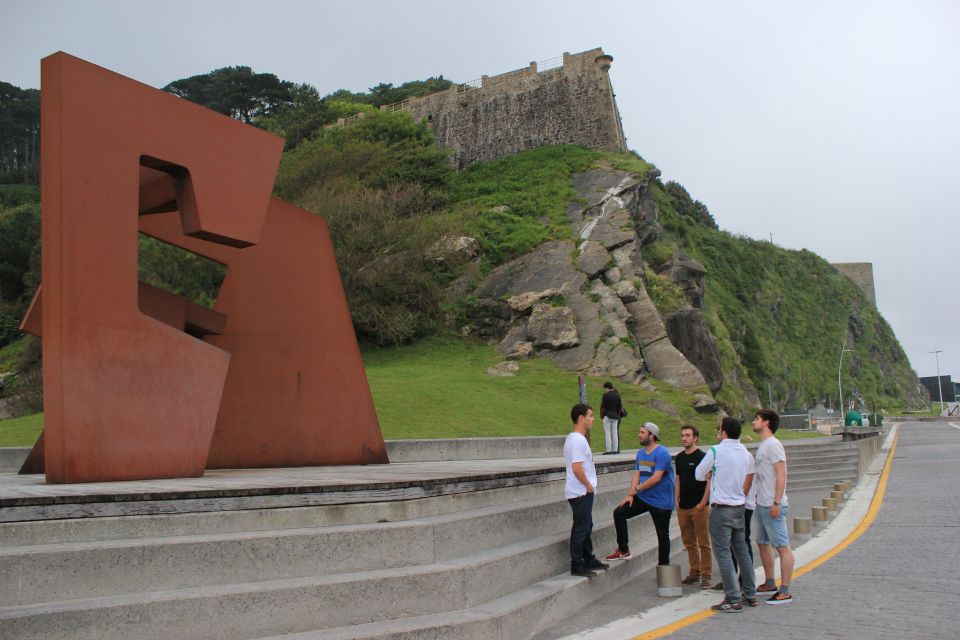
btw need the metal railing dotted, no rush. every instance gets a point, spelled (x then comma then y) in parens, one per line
(551, 63)
(472, 85)
(403, 105)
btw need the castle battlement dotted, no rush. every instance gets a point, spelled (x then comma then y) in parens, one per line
(564, 100)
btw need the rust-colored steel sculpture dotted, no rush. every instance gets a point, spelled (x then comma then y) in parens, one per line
(141, 383)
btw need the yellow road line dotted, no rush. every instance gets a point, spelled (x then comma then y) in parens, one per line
(868, 519)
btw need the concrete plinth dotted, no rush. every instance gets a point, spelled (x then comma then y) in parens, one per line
(668, 581)
(830, 504)
(802, 528)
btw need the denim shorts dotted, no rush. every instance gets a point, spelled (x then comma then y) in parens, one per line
(772, 531)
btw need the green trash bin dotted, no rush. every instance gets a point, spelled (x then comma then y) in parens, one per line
(876, 419)
(853, 419)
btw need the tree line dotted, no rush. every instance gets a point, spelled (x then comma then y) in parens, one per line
(19, 135)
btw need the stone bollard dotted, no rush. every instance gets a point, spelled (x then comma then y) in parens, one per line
(830, 504)
(844, 486)
(802, 528)
(668, 581)
(838, 496)
(819, 515)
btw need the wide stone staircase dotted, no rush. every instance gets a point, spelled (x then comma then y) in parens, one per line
(482, 564)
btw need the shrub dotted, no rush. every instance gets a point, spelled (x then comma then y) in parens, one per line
(390, 257)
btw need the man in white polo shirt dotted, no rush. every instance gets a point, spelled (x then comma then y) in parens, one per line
(579, 491)
(730, 467)
(772, 507)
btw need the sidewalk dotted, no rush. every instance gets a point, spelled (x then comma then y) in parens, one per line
(636, 609)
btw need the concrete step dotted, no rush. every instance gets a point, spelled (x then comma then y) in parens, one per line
(211, 521)
(49, 572)
(521, 614)
(265, 607)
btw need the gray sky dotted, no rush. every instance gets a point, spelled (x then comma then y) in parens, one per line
(834, 126)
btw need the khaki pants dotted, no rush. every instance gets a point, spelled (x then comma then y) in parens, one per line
(695, 531)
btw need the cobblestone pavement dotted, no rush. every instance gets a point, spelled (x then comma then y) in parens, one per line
(900, 580)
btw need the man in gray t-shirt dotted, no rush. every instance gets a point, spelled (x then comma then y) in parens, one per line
(772, 505)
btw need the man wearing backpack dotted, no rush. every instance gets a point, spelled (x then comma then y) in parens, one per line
(731, 468)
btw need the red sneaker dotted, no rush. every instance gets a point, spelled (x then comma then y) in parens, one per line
(619, 555)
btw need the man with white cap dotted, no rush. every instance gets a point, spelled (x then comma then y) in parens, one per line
(651, 491)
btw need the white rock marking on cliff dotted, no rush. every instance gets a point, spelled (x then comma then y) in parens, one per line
(612, 195)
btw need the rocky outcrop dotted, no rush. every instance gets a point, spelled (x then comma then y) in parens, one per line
(593, 259)
(552, 327)
(689, 332)
(704, 404)
(599, 319)
(688, 274)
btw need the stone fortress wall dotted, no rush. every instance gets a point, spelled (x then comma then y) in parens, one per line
(566, 100)
(862, 275)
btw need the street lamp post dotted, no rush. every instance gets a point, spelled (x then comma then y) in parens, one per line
(839, 384)
(936, 352)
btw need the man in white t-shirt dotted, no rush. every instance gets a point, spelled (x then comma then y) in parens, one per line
(579, 491)
(772, 507)
(731, 468)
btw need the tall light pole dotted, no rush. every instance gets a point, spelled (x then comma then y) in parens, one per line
(936, 352)
(839, 384)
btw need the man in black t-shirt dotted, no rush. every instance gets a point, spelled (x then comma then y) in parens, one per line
(693, 512)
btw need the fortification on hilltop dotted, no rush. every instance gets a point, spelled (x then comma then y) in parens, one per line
(862, 275)
(566, 100)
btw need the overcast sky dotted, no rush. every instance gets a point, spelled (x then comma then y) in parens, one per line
(834, 126)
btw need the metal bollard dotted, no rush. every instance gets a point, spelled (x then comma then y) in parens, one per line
(802, 528)
(668, 581)
(830, 504)
(819, 515)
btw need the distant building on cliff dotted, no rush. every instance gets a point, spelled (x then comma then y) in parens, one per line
(862, 275)
(566, 100)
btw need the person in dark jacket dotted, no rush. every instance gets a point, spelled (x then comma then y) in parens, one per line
(610, 409)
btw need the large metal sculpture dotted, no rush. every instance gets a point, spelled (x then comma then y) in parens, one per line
(140, 383)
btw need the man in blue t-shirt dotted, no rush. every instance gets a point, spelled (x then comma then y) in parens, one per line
(651, 490)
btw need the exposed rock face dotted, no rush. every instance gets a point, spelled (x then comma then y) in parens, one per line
(593, 259)
(603, 318)
(547, 267)
(688, 274)
(552, 327)
(689, 332)
(524, 302)
(704, 404)
(626, 291)
(519, 351)
(668, 364)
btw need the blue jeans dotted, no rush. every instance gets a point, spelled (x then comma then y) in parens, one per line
(726, 533)
(581, 548)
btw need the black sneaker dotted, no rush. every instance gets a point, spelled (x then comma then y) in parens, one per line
(691, 579)
(583, 572)
(718, 586)
(779, 598)
(728, 607)
(596, 565)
